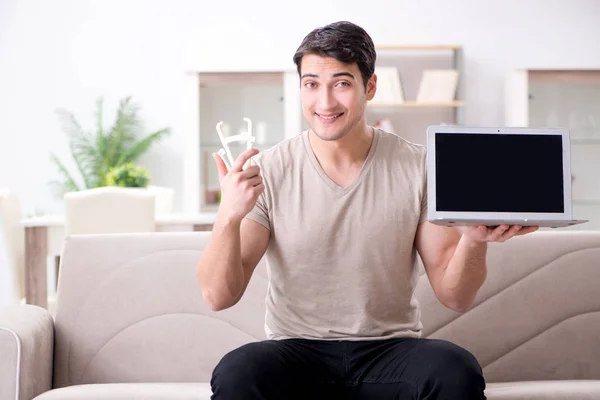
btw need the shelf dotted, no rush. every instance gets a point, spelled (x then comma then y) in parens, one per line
(586, 202)
(585, 76)
(585, 141)
(236, 145)
(210, 208)
(456, 103)
(221, 79)
(418, 47)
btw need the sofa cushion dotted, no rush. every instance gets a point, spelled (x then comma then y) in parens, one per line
(536, 390)
(122, 391)
(544, 390)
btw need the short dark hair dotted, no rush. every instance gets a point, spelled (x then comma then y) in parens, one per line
(344, 41)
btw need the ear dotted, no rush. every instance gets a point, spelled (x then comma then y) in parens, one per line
(371, 87)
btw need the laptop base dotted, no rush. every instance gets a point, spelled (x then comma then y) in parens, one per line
(497, 222)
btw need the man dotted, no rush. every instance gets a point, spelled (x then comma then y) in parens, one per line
(340, 212)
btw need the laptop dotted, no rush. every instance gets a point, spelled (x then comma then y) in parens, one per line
(495, 176)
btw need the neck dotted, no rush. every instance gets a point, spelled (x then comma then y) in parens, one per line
(352, 148)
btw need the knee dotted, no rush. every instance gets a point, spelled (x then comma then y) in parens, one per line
(237, 366)
(239, 373)
(456, 371)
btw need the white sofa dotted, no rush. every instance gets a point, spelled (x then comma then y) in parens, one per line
(131, 323)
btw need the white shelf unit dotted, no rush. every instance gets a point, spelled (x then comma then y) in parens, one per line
(567, 99)
(270, 99)
(411, 118)
(205, 104)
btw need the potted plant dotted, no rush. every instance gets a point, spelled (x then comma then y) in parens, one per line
(106, 156)
(128, 175)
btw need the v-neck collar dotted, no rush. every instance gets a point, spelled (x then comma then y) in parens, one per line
(365, 167)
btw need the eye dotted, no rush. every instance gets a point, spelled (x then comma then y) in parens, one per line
(343, 84)
(310, 85)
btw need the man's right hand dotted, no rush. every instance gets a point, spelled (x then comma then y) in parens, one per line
(240, 187)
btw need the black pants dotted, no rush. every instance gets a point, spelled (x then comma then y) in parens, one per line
(298, 369)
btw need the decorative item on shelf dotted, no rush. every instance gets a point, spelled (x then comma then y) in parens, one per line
(389, 87)
(97, 154)
(386, 125)
(261, 133)
(226, 140)
(438, 86)
(212, 197)
(128, 175)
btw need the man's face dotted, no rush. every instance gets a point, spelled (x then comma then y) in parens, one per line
(333, 96)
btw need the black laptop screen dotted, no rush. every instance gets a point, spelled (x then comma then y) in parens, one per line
(499, 173)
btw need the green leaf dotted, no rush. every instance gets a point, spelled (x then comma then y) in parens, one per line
(69, 124)
(100, 140)
(124, 131)
(128, 175)
(69, 183)
(141, 147)
(79, 145)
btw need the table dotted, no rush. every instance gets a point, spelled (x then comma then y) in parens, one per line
(36, 246)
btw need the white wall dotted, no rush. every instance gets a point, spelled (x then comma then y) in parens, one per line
(65, 53)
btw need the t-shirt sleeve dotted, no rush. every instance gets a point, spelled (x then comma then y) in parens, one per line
(260, 212)
(423, 216)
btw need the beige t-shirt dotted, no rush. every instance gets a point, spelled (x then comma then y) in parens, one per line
(341, 261)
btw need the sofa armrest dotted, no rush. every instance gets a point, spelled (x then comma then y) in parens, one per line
(27, 348)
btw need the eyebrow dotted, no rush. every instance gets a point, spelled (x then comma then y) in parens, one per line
(336, 75)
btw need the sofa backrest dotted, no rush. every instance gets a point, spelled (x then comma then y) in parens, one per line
(537, 317)
(129, 309)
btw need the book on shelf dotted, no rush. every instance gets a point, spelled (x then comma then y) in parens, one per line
(438, 86)
(389, 86)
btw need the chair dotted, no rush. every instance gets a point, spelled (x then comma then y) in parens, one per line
(12, 251)
(163, 199)
(12, 245)
(109, 210)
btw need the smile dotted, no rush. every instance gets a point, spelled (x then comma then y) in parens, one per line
(329, 117)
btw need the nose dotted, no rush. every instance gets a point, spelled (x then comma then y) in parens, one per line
(327, 100)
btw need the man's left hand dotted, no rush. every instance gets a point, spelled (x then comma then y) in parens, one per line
(500, 233)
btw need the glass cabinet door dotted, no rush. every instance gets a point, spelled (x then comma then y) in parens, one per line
(231, 97)
(571, 99)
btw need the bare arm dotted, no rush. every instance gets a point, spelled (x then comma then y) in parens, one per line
(229, 259)
(236, 244)
(455, 262)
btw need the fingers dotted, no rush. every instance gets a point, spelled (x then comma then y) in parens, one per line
(527, 229)
(250, 172)
(250, 176)
(483, 230)
(221, 167)
(238, 165)
(250, 183)
(510, 232)
(505, 232)
(502, 233)
(258, 189)
(255, 181)
(498, 232)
